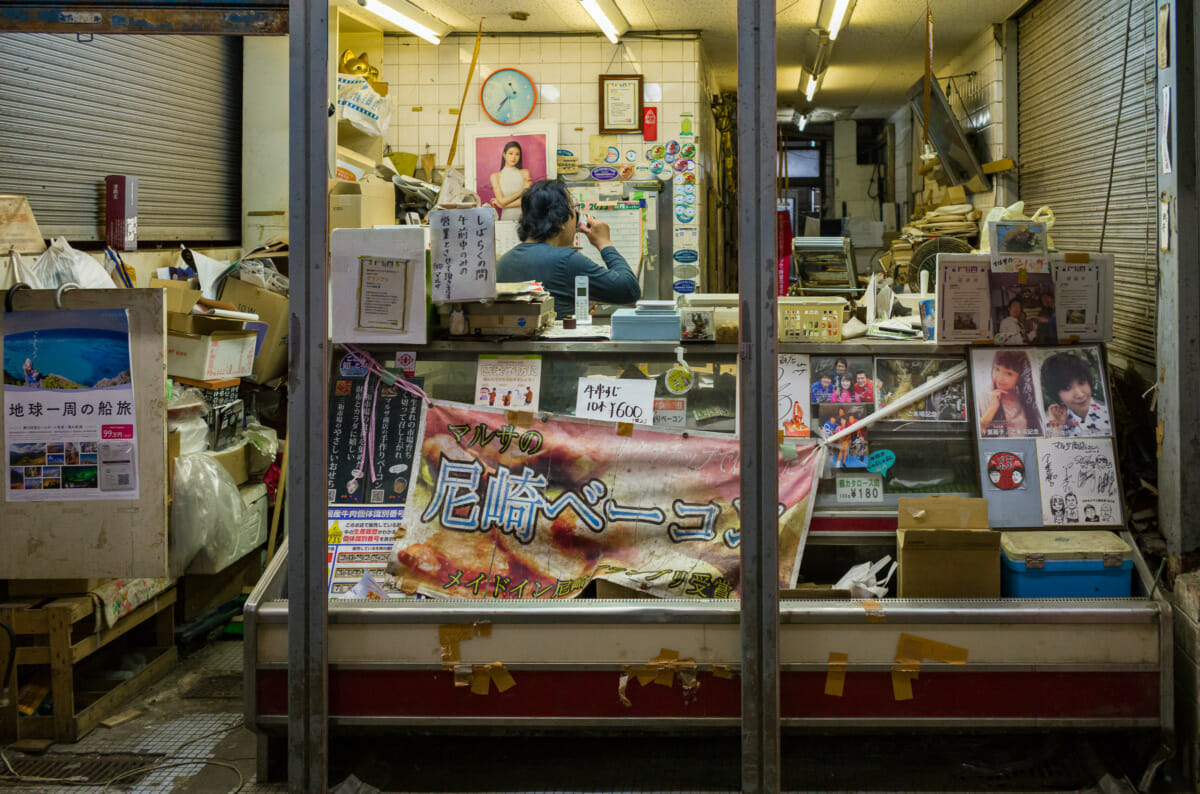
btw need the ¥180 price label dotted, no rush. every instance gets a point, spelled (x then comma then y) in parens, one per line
(859, 488)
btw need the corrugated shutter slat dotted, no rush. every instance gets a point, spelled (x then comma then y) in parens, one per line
(166, 109)
(1069, 72)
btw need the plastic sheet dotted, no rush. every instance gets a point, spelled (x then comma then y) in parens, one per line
(193, 434)
(61, 264)
(206, 511)
(264, 447)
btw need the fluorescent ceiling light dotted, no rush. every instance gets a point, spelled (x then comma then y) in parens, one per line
(837, 18)
(597, 13)
(385, 11)
(811, 88)
(801, 123)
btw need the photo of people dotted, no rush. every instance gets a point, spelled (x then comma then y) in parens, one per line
(1073, 393)
(842, 379)
(964, 321)
(852, 450)
(896, 377)
(1022, 306)
(502, 164)
(1006, 394)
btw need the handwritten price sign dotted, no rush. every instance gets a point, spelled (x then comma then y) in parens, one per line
(616, 400)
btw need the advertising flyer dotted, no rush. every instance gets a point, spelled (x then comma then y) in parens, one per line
(70, 431)
(962, 298)
(1077, 288)
(500, 511)
(794, 395)
(510, 382)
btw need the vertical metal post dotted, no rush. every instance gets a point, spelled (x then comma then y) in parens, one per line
(757, 389)
(1179, 290)
(308, 88)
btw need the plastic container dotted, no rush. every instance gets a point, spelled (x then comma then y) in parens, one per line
(629, 324)
(1065, 564)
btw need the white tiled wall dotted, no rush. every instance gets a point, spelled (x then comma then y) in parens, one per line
(427, 83)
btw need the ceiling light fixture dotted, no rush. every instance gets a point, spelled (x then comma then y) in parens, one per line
(384, 11)
(841, 9)
(801, 123)
(597, 13)
(811, 88)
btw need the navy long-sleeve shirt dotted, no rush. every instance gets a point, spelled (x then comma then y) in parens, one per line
(556, 268)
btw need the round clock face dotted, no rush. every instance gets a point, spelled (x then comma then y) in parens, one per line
(508, 96)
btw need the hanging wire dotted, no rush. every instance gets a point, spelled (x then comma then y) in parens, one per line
(1117, 129)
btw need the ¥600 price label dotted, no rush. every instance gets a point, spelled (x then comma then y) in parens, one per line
(614, 400)
(859, 488)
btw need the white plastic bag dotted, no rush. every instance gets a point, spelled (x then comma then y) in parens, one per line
(206, 510)
(863, 579)
(61, 264)
(358, 103)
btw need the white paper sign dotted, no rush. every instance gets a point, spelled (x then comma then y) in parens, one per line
(616, 400)
(794, 396)
(962, 298)
(670, 412)
(382, 293)
(859, 488)
(510, 382)
(1079, 482)
(463, 257)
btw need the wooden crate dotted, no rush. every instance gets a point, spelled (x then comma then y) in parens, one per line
(60, 634)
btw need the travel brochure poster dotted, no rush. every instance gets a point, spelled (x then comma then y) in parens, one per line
(70, 430)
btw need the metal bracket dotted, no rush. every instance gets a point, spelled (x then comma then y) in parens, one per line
(8, 297)
(1113, 559)
(58, 293)
(1035, 561)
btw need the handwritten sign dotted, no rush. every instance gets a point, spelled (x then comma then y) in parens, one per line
(616, 400)
(859, 488)
(881, 460)
(794, 393)
(463, 254)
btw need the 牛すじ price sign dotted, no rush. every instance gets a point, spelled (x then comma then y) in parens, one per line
(859, 488)
(616, 400)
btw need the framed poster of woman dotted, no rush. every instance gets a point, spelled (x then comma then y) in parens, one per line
(502, 164)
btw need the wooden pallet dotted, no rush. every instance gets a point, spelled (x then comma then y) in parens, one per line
(60, 634)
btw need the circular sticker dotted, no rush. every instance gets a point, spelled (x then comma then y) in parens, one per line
(625, 172)
(613, 155)
(352, 366)
(641, 171)
(1006, 471)
(664, 175)
(679, 379)
(670, 158)
(631, 155)
(681, 165)
(657, 167)
(687, 271)
(684, 286)
(656, 152)
(679, 179)
(688, 189)
(672, 148)
(604, 173)
(689, 178)
(685, 255)
(688, 150)
(689, 199)
(685, 214)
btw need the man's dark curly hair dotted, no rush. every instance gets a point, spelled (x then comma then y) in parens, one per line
(545, 207)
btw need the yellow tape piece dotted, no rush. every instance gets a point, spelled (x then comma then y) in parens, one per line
(874, 611)
(624, 428)
(932, 649)
(661, 669)
(722, 671)
(519, 418)
(781, 437)
(901, 685)
(1076, 259)
(1022, 277)
(835, 676)
(482, 629)
(481, 680)
(501, 677)
(462, 675)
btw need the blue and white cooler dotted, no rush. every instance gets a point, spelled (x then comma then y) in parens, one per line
(1053, 563)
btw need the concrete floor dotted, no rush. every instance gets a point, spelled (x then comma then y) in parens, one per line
(195, 715)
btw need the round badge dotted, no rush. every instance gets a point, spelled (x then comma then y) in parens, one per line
(625, 172)
(688, 150)
(689, 199)
(679, 179)
(641, 171)
(670, 158)
(685, 214)
(681, 165)
(656, 152)
(613, 155)
(657, 167)
(689, 178)
(1006, 471)
(691, 165)
(672, 147)
(631, 155)
(664, 175)
(679, 379)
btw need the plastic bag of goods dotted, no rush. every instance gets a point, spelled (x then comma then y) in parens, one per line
(61, 264)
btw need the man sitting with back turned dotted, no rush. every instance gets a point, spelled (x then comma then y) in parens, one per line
(547, 229)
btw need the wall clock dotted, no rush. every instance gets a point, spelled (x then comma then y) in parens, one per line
(508, 96)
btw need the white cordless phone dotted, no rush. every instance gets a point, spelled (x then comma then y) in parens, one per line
(583, 315)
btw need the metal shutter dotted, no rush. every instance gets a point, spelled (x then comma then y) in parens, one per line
(1069, 62)
(166, 109)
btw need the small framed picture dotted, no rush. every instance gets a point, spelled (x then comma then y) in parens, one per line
(620, 104)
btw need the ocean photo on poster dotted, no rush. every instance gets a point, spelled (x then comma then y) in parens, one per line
(39, 353)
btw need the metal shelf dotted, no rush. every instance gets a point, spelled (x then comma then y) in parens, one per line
(609, 347)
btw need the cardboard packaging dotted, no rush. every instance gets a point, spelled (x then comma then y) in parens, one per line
(363, 204)
(946, 550)
(223, 354)
(235, 460)
(272, 310)
(120, 212)
(508, 318)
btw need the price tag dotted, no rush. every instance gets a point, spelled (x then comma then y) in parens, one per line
(859, 488)
(616, 400)
(671, 412)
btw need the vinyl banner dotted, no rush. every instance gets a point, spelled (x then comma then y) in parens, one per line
(503, 505)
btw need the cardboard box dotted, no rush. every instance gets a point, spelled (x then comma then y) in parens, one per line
(181, 297)
(235, 460)
(508, 318)
(363, 204)
(272, 310)
(946, 550)
(223, 354)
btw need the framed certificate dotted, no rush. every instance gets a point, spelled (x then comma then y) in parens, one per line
(620, 104)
